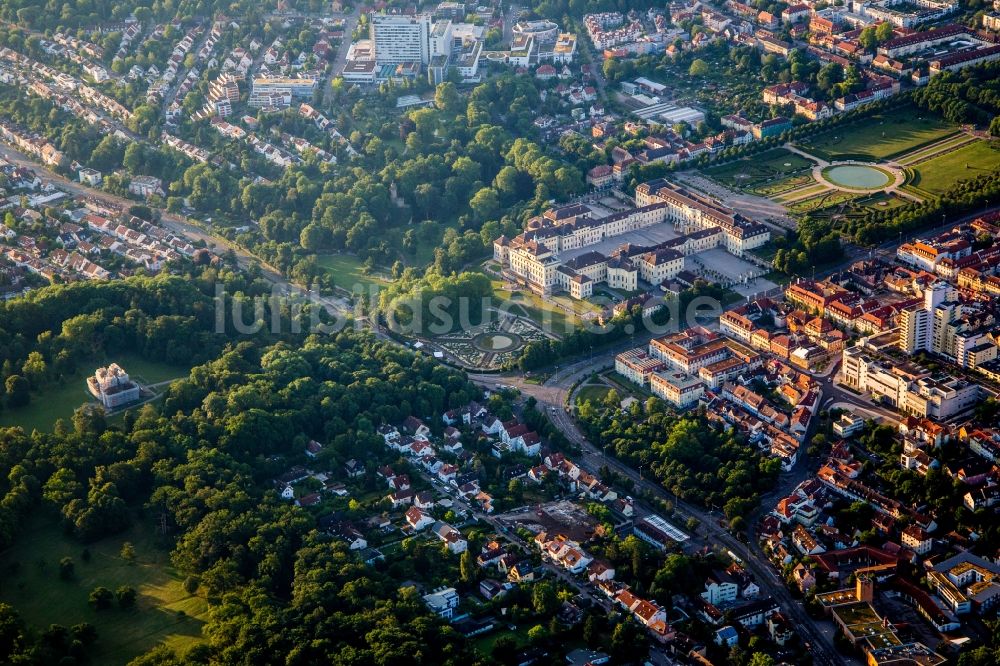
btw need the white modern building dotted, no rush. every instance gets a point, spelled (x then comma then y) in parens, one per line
(911, 390)
(265, 89)
(400, 38)
(442, 602)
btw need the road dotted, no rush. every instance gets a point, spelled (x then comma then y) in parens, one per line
(350, 23)
(178, 225)
(509, 19)
(182, 71)
(553, 395)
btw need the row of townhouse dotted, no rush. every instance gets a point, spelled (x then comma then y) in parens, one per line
(647, 612)
(325, 124)
(175, 62)
(140, 233)
(103, 102)
(32, 144)
(577, 480)
(130, 32)
(184, 147)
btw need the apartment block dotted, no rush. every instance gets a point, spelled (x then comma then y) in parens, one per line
(400, 38)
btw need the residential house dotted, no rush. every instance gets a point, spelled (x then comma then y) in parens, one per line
(417, 519)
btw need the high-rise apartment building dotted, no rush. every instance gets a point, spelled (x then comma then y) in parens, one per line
(400, 38)
(925, 327)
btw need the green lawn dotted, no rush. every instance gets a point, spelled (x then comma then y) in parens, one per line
(164, 614)
(801, 192)
(940, 174)
(58, 400)
(782, 279)
(593, 393)
(880, 136)
(917, 155)
(883, 201)
(345, 269)
(484, 644)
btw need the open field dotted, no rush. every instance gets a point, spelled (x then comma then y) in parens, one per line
(345, 269)
(164, 614)
(768, 172)
(880, 136)
(592, 392)
(933, 149)
(58, 400)
(940, 174)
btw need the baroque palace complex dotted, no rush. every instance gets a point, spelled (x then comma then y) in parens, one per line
(533, 257)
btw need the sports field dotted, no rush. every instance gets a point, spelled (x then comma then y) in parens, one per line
(880, 136)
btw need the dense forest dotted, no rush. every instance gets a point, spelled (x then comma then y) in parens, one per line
(689, 458)
(969, 96)
(202, 463)
(460, 165)
(46, 335)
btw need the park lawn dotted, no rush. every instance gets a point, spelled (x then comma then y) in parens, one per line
(940, 174)
(884, 201)
(484, 644)
(782, 279)
(58, 400)
(592, 392)
(345, 269)
(164, 614)
(730, 297)
(801, 192)
(936, 147)
(880, 136)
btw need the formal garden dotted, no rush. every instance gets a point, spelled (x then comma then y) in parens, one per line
(492, 345)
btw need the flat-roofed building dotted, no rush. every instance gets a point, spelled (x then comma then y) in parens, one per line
(266, 87)
(401, 38)
(678, 389)
(637, 366)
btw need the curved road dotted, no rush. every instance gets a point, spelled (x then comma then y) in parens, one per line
(552, 396)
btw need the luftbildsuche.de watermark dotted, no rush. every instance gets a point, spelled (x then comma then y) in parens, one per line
(311, 311)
